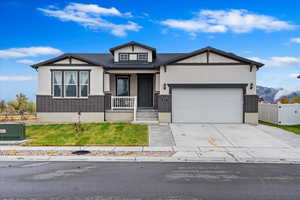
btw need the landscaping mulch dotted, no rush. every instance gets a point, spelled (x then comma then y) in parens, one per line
(92, 153)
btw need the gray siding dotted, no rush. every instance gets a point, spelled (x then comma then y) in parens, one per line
(45, 103)
(164, 103)
(251, 104)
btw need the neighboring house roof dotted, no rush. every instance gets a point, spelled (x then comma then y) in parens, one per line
(107, 61)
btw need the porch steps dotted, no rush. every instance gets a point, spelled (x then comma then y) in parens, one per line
(147, 115)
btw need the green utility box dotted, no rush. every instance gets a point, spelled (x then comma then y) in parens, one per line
(12, 131)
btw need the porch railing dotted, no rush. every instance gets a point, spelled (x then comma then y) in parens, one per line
(124, 102)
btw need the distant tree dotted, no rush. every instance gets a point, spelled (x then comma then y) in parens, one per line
(295, 100)
(2, 106)
(284, 100)
(19, 105)
(30, 107)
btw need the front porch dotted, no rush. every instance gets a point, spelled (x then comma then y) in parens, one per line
(131, 95)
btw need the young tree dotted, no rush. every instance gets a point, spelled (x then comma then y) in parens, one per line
(284, 100)
(20, 104)
(295, 100)
(2, 106)
(30, 107)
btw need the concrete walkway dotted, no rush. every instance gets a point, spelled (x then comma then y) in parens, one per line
(160, 136)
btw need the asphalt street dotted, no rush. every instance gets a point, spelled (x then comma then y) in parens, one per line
(104, 180)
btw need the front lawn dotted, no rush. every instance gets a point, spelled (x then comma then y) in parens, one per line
(106, 134)
(291, 128)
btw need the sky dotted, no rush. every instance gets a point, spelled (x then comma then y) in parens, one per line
(33, 30)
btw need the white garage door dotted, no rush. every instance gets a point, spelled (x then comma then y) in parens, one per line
(207, 105)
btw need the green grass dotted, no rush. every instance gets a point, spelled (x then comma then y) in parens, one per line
(105, 134)
(291, 128)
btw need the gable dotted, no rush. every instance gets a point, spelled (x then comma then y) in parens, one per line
(63, 61)
(132, 49)
(201, 58)
(213, 56)
(216, 58)
(68, 61)
(208, 57)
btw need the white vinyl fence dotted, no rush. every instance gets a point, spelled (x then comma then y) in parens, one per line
(285, 114)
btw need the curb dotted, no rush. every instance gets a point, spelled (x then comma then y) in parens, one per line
(144, 159)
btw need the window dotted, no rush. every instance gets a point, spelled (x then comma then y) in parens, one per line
(70, 83)
(57, 83)
(143, 56)
(133, 56)
(122, 85)
(124, 56)
(84, 83)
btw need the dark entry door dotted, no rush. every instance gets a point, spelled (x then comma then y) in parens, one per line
(145, 90)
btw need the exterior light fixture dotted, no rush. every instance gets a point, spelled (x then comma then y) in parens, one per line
(251, 86)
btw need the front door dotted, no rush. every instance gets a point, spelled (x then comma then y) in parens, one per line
(145, 90)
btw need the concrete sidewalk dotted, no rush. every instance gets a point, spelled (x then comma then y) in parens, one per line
(180, 154)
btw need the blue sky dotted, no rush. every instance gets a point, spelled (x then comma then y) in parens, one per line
(31, 31)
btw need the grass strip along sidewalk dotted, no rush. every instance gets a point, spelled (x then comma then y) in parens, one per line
(105, 134)
(291, 128)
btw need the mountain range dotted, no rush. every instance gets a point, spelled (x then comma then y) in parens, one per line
(270, 94)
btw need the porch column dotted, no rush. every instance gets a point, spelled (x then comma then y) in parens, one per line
(106, 82)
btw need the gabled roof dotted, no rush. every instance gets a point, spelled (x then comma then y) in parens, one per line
(64, 56)
(132, 43)
(107, 61)
(214, 50)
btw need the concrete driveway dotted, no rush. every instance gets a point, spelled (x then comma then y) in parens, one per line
(223, 135)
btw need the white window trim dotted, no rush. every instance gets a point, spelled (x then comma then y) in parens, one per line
(63, 85)
(53, 84)
(88, 89)
(76, 84)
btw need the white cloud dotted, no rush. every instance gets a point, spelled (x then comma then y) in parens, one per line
(294, 75)
(27, 61)
(28, 51)
(16, 78)
(221, 21)
(284, 92)
(295, 40)
(284, 61)
(92, 16)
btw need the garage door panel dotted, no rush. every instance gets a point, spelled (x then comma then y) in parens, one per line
(206, 105)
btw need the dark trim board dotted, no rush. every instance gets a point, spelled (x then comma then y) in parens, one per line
(204, 85)
(214, 64)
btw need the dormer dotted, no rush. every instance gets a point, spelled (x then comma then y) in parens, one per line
(133, 52)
